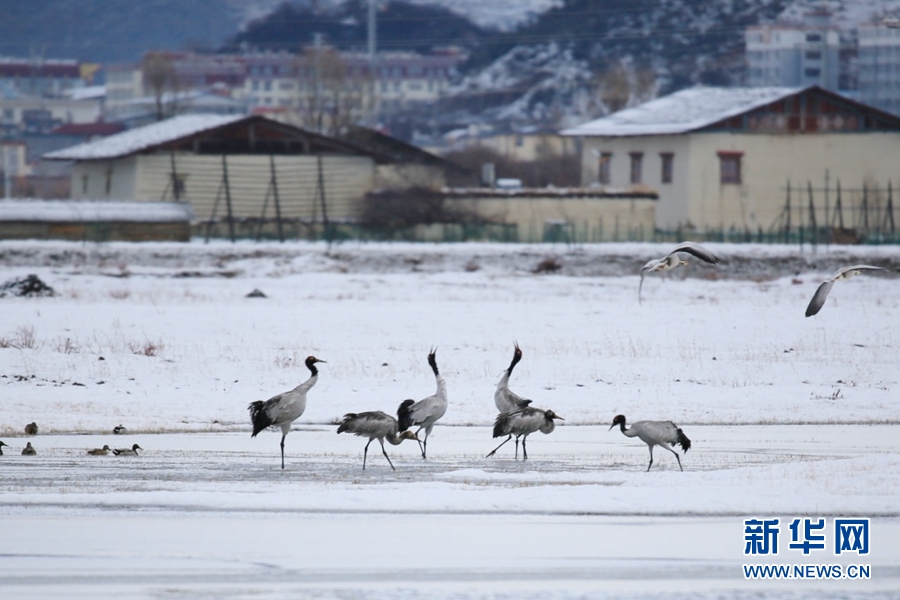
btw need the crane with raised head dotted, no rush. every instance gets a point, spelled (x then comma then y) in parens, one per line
(505, 399)
(283, 409)
(426, 412)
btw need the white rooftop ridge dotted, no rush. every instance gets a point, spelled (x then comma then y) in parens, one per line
(135, 140)
(681, 112)
(85, 211)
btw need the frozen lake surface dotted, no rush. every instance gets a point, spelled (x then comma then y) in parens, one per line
(213, 515)
(789, 417)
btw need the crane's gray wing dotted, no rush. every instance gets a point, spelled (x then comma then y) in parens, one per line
(517, 400)
(843, 270)
(644, 270)
(818, 299)
(696, 250)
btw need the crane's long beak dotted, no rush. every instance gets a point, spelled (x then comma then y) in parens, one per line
(611, 427)
(559, 417)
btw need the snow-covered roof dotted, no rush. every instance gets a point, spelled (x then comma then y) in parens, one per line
(681, 112)
(83, 211)
(135, 140)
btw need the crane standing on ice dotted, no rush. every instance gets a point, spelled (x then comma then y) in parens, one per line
(521, 424)
(282, 410)
(375, 425)
(506, 400)
(427, 411)
(655, 433)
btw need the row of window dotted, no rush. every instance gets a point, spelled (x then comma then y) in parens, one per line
(729, 167)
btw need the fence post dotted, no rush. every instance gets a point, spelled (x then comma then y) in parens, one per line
(274, 184)
(787, 214)
(812, 215)
(865, 209)
(838, 209)
(321, 190)
(228, 198)
(889, 209)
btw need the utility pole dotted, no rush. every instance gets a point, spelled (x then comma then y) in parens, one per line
(317, 67)
(372, 47)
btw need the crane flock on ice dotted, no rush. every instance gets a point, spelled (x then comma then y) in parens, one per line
(516, 415)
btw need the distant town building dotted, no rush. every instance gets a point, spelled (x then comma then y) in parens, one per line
(795, 55)
(720, 158)
(43, 77)
(879, 64)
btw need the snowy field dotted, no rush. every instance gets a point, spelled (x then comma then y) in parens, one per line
(789, 417)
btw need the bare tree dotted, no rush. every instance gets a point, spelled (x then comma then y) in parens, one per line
(624, 85)
(332, 94)
(162, 81)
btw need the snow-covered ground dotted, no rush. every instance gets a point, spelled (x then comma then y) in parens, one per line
(789, 417)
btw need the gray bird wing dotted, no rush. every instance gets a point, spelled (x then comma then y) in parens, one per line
(843, 270)
(696, 250)
(818, 299)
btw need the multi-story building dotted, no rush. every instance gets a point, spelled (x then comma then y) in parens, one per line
(879, 64)
(794, 55)
(42, 77)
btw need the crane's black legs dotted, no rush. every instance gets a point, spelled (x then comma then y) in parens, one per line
(524, 451)
(282, 450)
(421, 445)
(366, 452)
(678, 458)
(651, 458)
(383, 451)
(503, 442)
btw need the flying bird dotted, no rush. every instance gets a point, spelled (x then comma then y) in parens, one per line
(427, 411)
(522, 424)
(133, 451)
(655, 433)
(99, 451)
(672, 260)
(818, 299)
(375, 425)
(506, 400)
(285, 408)
(29, 450)
(119, 429)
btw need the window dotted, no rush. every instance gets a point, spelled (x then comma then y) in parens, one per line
(637, 160)
(603, 174)
(813, 37)
(730, 167)
(813, 55)
(667, 159)
(84, 184)
(812, 72)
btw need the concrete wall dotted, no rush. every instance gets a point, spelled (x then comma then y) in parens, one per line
(697, 197)
(590, 218)
(96, 231)
(409, 175)
(148, 178)
(105, 180)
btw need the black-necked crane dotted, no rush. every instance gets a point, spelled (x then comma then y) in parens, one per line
(427, 411)
(672, 260)
(818, 299)
(375, 425)
(1, 447)
(285, 408)
(29, 450)
(31, 429)
(506, 400)
(99, 451)
(523, 423)
(133, 451)
(655, 433)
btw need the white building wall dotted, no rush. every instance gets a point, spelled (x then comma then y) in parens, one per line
(104, 180)
(697, 197)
